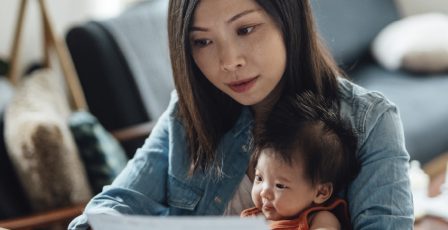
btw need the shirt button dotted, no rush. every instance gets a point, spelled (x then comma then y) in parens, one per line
(218, 200)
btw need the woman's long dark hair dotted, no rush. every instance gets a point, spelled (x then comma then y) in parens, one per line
(206, 112)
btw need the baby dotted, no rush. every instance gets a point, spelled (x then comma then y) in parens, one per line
(303, 155)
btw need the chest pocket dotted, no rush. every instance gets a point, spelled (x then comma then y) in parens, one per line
(182, 195)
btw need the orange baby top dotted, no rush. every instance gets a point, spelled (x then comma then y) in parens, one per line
(337, 206)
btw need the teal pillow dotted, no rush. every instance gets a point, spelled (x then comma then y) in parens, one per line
(102, 154)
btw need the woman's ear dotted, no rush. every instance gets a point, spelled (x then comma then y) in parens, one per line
(323, 193)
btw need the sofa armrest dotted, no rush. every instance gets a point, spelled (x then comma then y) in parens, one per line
(42, 220)
(133, 132)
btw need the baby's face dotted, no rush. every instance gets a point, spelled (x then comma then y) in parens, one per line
(280, 190)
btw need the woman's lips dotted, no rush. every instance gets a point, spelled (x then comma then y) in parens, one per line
(243, 85)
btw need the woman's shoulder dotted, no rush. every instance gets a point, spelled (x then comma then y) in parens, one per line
(171, 115)
(169, 120)
(352, 93)
(361, 106)
(173, 104)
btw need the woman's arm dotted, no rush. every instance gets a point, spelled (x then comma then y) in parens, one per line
(141, 187)
(325, 220)
(380, 197)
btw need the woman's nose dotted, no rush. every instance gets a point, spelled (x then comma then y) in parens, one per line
(231, 58)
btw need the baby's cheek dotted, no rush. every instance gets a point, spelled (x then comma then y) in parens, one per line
(256, 197)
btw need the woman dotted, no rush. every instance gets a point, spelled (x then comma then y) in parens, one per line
(232, 61)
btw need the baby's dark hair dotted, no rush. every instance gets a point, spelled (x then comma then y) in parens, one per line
(310, 129)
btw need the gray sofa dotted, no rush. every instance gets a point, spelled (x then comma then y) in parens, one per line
(349, 27)
(113, 56)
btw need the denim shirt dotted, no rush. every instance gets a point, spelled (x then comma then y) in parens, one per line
(156, 182)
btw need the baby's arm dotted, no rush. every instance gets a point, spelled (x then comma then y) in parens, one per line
(325, 220)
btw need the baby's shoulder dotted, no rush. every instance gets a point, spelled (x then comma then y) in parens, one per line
(325, 220)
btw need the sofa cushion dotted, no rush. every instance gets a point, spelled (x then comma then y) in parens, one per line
(110, 90)
(349, 26)
(130, 52)
(422, 102)
(142, 36)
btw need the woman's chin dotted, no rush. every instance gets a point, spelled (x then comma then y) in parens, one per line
(244, 100)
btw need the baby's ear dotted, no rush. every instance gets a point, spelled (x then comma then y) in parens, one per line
(323, 192)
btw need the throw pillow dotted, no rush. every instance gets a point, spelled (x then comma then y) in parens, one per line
(101, 153)
(417, 43)
(41, 146)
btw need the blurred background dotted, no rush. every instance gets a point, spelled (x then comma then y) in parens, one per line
(65, 14)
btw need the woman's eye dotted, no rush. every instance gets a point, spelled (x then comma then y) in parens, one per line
(258, 178)
(201, 42)
(245, 30)
(280, 186)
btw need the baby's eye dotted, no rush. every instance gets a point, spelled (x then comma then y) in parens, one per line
(245, 30)
(201, 42)
(258, 178)
(280, 186)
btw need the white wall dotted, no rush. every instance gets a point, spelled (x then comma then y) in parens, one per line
(65, 13)
(412, 7)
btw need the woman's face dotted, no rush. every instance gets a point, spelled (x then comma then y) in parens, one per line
(239, 48)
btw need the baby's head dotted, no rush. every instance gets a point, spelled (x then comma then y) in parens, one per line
(304, 154)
